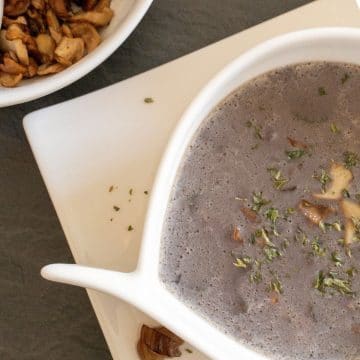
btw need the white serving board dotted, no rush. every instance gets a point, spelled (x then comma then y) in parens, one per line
(111, 137)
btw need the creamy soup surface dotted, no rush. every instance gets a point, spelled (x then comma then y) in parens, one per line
(263, 224)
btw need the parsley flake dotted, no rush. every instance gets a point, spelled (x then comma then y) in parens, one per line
(278, 179)
(258, 201)
(350, 159)
(322, 91)
(295, 154)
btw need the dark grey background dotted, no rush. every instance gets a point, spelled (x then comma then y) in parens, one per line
(42, 320)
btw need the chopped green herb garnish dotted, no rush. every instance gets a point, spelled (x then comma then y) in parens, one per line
(111, 188)
(242, 262)
(288, 212)
(116, 208)
(322, 226)
(272, 214)
(146, 192)
(248, 124)
(336, 259)
(278, 180)
(148, 100)
(189, 351)
(258, 201)
(130, 228)
(334, 129)
(317, 249)
(295, 154)
(301, 237)
(328, 226)
(351, 272)
(257, 132)
(255, 146)
(350, 159)
(322, 282)
(319, 282)
(345, 78)
(271, 253)
(322, 91)
(130, 191)
(346, 194)
(265, 236)
(356, 223)
(324, 178)
(285, 244)
(255, 277)
(275, 285)
(336, 225)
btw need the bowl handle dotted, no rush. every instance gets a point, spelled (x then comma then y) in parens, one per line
(126, 286)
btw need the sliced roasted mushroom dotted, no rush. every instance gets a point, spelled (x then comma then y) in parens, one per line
(17, 46)
(155, 343)
(52, 20)
(88, 33)
(54, 26)
(351, 211)
(57, 36)
(15, 31)
(66, 31)
(46, 46)
(69, 51)
(341, 178)
(10, 66)
(96, 18)
(38, 4)
(47, 69)
(313, 212)
(102, 4)
(296, 143)
(32, 69)
(60, 7)
(236, 235)
(88, 4)
(250, 214)
(36, 22)
(8, 80)
(6, 21)
(16, 7)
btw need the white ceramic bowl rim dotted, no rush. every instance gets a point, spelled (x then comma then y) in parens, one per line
(143, 287)
(52, 83)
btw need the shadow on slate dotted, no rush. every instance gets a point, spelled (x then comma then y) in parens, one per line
(42, 320)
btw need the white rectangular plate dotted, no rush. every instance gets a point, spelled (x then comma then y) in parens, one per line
(111, 137)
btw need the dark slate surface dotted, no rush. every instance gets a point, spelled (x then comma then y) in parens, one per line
(42, 320)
